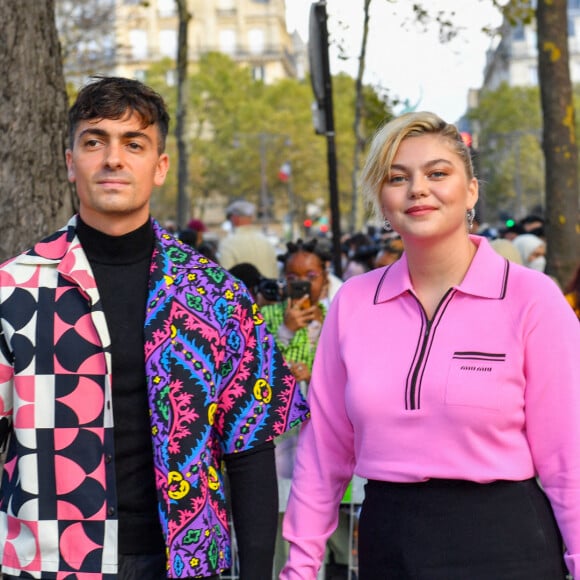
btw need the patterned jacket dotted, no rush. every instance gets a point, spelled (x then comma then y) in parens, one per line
(217, 384)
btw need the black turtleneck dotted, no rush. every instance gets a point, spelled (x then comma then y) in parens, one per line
(121, 268)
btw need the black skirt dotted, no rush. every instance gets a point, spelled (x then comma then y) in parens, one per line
(458, 530)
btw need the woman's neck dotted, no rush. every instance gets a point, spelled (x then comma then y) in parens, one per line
(435, 268)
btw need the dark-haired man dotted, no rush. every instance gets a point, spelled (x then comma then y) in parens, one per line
(131, 369)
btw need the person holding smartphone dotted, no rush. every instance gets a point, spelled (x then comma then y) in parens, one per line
(296, 323)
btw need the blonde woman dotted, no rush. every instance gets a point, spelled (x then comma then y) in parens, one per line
(449, 380)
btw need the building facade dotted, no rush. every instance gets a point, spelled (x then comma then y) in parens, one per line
(251, 32)
(514, 60)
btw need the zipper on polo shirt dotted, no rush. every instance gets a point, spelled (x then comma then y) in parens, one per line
(413, 389)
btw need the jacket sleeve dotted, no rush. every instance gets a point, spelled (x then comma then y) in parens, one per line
(551, 336)
(324, 459)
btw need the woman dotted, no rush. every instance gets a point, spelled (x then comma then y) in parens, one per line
(439, 379)
(532, 249)
(296, 323)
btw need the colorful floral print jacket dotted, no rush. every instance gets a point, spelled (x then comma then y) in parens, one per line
(217, 384)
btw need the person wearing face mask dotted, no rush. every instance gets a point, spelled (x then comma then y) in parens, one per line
(533, 251)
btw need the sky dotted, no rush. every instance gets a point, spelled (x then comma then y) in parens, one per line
(402, 56)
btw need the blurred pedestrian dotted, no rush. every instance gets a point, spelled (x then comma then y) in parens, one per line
(533, 224)
(264, 290)
(390, 251)
(532, 250)
(199, 228)
(296, 323)
(506, 248)
(246, 243)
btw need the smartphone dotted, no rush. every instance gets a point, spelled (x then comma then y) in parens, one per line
(299, 288)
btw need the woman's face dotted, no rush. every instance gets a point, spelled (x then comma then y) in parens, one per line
(307, 266)
(428, 191)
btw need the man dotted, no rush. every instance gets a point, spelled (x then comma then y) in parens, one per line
(131, 368)
(247, 243)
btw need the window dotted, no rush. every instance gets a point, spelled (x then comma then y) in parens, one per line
(166, 8)
(258, 73)
(227, 40)
(168, 43)
(256, 41)
(138, 40)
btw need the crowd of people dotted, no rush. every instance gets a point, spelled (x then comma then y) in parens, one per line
(156, 387)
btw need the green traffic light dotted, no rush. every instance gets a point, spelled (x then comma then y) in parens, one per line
(510, 223)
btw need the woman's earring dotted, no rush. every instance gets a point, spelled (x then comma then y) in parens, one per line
(470, 218)
(387, 225)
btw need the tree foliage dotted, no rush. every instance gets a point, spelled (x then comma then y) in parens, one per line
(85, 29)
(241, 130)
(510, 159)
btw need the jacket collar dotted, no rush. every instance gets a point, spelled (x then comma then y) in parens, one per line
(64, 250)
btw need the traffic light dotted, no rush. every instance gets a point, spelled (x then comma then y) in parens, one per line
(467, 138)
(510, 223)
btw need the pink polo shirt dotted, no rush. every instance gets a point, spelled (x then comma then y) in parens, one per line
(488, 389)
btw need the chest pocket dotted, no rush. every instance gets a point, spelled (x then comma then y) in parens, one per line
(474, 379)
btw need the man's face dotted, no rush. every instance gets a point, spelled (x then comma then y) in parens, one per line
(115, 164)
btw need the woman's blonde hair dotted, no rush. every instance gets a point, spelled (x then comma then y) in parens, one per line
(387, 141)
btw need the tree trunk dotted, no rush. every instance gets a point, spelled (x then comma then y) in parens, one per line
(183, 204)
(559, 139)
(355, 220)
(35, 195)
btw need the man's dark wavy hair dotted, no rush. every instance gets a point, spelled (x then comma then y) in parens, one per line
(112, 98)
